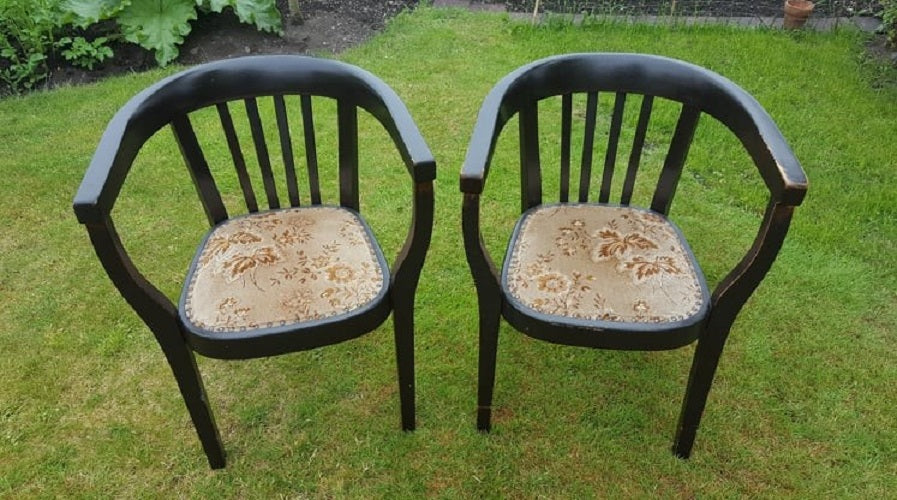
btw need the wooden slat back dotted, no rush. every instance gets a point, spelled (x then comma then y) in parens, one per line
(286, 150)
(638, 144)
(530, 173)
(199, 169)
(610, 157)
(347, 122)
(347, 118)
(530, 168)
(261, 151)
(566, 125)
(311, 152)
(675, 159)
(585, 170)
(233, 145)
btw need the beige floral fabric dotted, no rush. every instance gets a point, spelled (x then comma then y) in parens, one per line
(282, 267)
(599, 262)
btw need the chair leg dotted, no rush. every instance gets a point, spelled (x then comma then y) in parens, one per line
(703, 369)
(490, 315)
(183, 364)
(403, 319)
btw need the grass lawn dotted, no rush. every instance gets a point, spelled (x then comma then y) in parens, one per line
(803, 403)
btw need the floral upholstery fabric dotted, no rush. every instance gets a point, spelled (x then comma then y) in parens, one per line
(283, 267)
(608, 263)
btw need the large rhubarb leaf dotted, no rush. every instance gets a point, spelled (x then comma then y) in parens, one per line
(262, 13)
(158, 25)
(83, 13)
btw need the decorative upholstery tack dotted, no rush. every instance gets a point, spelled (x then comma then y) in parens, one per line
(600, 262)
(283, 267)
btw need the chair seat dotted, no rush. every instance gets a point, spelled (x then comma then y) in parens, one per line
(604, 266)
(281, 268)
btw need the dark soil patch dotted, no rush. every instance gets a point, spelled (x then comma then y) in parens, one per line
(325, 26)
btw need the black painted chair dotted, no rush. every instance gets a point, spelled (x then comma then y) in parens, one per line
(276, 280)
(615, 275)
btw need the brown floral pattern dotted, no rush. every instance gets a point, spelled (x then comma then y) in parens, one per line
(283, 267)
(605, 263)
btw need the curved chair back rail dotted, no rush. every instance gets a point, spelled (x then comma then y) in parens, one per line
(170, 100)
(633, 80)
(698, 90)
(248, 81)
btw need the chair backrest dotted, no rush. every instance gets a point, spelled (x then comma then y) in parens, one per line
(239, 86)
(630, 79)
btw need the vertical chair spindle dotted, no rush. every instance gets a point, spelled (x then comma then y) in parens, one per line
(261, 151)
(638, 143)
(585, 171)
(675, 159)
(610, 157)
(530, 169)
(566, 119)
(286, 150)
(199, 169)
(347, 117)
(236, 153)
(311, 152)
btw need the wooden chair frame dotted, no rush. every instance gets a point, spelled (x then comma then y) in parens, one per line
(699, 91)
(169, 102)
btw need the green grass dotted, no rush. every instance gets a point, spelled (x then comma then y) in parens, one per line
(802, 404)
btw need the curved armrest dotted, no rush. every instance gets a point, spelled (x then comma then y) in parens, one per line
(763, 141)
(482, 143)
(112, 160)
(392, 113)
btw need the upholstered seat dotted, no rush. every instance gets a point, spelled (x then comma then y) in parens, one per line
(283, 267)
(603, 263)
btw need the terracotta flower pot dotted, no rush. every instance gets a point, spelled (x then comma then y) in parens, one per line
(796, 13)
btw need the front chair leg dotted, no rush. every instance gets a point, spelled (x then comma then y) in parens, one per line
(703, 369)
(490, 315)
(403, 319)
(183, 364)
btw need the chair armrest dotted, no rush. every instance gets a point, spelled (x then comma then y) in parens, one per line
(482, 143)
(763, 141)
(392, 113)
(121, 141)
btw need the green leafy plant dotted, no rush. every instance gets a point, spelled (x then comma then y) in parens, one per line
(83, 13)
(162, 25)
(889, 18)
(28, 32)
(22, 72)
(158, 25)
(83, 53)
